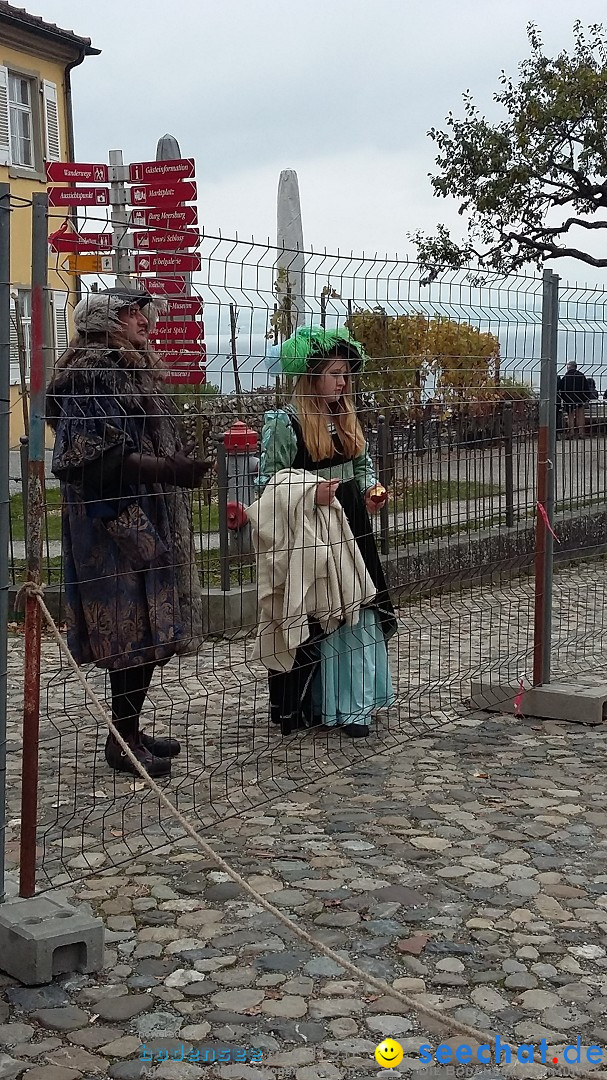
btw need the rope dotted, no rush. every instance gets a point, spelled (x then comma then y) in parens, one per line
(450, 1024)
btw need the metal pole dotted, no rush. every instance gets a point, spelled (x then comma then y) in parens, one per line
(5, 415)
(22, 363)
(120, 219)
(550, 480)
(33, 622)
(222, 499)
(546, 449)
(23, 460)
(509, 463)
(382, 446)
(233, 340)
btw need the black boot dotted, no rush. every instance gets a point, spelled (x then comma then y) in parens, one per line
(160, 747)
(117, 759)
(356, 731)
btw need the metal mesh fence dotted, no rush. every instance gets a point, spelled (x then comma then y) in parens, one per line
(448, 405)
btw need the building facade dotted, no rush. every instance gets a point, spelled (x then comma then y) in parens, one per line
(36, 60)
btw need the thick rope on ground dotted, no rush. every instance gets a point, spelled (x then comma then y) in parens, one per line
(449, 1024)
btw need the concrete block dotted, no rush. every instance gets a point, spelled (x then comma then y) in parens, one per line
(225, 612)
(44, 936)
(565, 700)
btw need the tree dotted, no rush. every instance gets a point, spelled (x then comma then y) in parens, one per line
(405, 350)
(534, 185)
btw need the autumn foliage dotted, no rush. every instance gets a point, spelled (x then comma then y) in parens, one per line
(407, 351)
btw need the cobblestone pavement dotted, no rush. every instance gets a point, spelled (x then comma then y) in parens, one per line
(463, 860)
(467, 868)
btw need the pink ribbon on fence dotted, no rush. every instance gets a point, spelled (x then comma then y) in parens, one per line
(518, 701)
(545, 519)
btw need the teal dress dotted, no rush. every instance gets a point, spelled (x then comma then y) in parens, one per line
(342, 678)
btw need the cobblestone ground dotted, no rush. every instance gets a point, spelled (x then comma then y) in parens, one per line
(464, 862)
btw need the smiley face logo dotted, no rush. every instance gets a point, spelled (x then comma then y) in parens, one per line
(389, 1054)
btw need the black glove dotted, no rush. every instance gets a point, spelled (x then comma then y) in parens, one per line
(180, 470)
(184, 471)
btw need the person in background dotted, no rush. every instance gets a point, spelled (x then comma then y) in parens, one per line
(575, 393)
(339, 678)
(132, 592)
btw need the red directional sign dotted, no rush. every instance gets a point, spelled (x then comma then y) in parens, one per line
(188, 376)
(82, 242)
(169, 194)
(75, 172)
(185, 363)
(164, 240)
(177, 217)
(90, 196)
(183, 331)
(163, 286)
(167, 264)
(180, 308)
(193, 353)
(150, 172)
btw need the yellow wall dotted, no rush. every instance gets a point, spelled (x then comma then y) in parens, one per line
(21, 218)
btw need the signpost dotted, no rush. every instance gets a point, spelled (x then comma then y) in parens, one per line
(193, 353)
(184, 331)
(169, 194)
(74, 172)
(81, 241)
(168, 264)
(89, 264)
(150, 172)
(190, 307)
(177, 217)
(90, 196)
(164, 240)
(150, 198)
(163, 286)
(187, 376)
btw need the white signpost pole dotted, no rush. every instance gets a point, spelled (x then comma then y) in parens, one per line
(118, 173)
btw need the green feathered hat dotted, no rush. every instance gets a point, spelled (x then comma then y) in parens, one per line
(310, 345)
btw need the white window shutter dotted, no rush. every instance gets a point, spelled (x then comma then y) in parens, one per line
(15, 374)
(60, 322)
(5, 123)
(51, 121)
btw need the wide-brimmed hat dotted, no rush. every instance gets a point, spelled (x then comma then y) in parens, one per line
(98, 312)
(310, 345)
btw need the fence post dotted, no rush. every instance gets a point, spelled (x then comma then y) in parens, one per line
(382, 453)
(222, 503)
(5, 413)
(546, 452)
(33, 622)
(509, 462)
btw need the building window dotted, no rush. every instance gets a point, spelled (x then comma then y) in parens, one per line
(21, 120)
(29, 121)
(21, 312)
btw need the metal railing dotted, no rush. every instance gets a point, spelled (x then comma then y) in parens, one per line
(462, 439)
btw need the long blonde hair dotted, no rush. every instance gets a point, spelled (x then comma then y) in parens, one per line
(313, 417)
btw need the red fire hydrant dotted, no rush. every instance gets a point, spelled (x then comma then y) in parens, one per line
(242, 466)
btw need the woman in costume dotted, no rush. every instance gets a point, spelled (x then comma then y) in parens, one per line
(338, 679)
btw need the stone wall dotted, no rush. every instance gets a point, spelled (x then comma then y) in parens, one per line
(440, 565)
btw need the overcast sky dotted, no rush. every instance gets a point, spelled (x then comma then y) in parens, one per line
(342, 91)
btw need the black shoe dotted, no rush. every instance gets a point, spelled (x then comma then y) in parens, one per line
(117, 759)
(161, 747)
(356, 731)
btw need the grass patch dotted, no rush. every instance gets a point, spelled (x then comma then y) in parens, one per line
(52, 529)
(431, 492)
(205, 518)
(208, 563)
